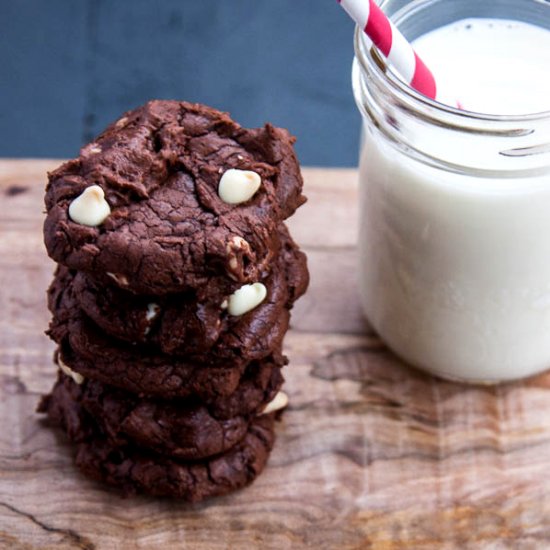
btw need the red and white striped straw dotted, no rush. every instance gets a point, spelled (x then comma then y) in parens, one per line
(392, 44)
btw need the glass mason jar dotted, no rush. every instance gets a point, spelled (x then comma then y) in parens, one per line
(455, 215)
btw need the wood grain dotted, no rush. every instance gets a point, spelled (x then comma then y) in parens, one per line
(371, 454)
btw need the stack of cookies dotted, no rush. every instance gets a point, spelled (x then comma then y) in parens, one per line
(172, 296)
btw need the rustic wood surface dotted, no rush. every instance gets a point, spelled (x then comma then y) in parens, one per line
(371, 454)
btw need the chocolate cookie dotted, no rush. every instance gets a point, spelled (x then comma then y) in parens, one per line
(178, 324)
(133, 469)
(162, 225)
(132, 369)
(183, 429)
(229, 340)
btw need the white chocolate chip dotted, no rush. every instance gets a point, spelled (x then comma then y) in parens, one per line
(246, 299)
(120, 279)
(91, 149)
(237, 186)
(236, 245)
(224, 304)
(280, 401)
(78, 378)
(152, 311)
(90, 207)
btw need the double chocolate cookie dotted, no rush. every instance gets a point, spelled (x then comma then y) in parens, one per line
(133, 471)
(179, 428)
(153, 374)
(140, 469)
(168, 229)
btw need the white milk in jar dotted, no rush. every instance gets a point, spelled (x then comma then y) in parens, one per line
(455, 222)
(494, 66)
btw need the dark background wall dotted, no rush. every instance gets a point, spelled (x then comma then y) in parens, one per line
(68, 67)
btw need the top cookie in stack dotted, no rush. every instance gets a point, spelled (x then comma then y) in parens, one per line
(168, 174)
(176, 280)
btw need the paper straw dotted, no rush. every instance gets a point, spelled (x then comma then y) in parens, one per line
(392, 45)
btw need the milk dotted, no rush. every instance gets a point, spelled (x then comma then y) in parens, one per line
(455, 267)
(490, 65)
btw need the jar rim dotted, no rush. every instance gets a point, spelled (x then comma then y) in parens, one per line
(374, 65)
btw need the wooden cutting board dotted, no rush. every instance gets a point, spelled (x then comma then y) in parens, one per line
(370, 454)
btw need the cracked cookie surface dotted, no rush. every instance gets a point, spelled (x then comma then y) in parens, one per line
(169, 231)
